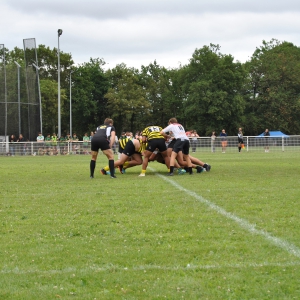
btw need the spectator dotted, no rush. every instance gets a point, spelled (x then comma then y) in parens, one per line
(48, 144)
(75, 138)
(213, 140)
(21, 147)
(86, 140)
(54, 143)
(68, 138)
(12, 146)
(223, 136)
(40, 143)
(75, 146)
(63, 149)
(194, 140)
(240, 139)
(92, 134)
(266, 139)
(40, 138)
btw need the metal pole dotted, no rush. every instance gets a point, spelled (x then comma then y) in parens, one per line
(5, 88)
(40, 98)
(71, 103)
(19, 98)
(59, 31)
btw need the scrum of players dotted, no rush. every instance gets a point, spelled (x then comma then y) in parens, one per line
(169, 146)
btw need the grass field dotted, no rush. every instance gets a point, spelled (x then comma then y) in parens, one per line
(232, 233)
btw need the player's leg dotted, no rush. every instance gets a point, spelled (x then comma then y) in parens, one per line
(147, 155)
(110, 156)
(93, 163)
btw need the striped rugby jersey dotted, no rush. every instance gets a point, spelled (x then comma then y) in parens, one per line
(152, 132)
(124, 141)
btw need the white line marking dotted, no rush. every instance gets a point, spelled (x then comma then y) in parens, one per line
(112, 267)
(290, 248)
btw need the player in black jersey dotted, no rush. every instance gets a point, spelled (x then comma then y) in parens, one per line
(103, 139)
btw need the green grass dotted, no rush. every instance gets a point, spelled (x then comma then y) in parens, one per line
(231, 233)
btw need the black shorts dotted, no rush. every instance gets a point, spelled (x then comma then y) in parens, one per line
(182, 145)
(266, 141)
(129, 149)
(241, 141)
(171, 145)
(156, 144)
(99, 143)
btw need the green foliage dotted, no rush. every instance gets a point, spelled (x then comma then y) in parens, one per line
(89, 106)
(275, 86)
(231, 233)
(49, 104)
(157, 82)
(126, 98)
(213, 87)
(211, 92)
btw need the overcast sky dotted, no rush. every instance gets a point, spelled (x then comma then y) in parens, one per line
(137, 32)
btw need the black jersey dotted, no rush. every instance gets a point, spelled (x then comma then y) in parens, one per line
(104, 131)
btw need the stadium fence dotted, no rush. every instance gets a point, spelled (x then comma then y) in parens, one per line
(202, 144)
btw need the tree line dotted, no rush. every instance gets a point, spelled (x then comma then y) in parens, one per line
(211, 92)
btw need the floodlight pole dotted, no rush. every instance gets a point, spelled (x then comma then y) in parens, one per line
(71, 103)
(40, 98)
(59, 33)
(5, 88)
(19, 97)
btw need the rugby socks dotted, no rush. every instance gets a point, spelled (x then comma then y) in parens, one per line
(92, 167)
(240, 149)
(191, 170)
(171, 169)
(111, 164)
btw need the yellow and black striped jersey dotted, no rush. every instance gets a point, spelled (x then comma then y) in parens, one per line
(152, 132)
(142, 147)
(124, 141)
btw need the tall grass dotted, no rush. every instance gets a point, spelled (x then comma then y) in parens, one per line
(231, 233)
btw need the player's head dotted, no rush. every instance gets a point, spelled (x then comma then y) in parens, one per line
(173, 120)
(108, 121)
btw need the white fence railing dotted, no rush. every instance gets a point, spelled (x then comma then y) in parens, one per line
(202, 144)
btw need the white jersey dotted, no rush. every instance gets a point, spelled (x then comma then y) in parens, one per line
(178, 131)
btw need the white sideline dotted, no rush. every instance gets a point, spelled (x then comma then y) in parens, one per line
(290, 248)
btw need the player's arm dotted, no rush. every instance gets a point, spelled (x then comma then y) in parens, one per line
(165, 135)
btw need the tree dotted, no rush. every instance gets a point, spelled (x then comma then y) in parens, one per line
(126, 98)
(274, 83)
(49, 93)
(89, 106)
(212, 84)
